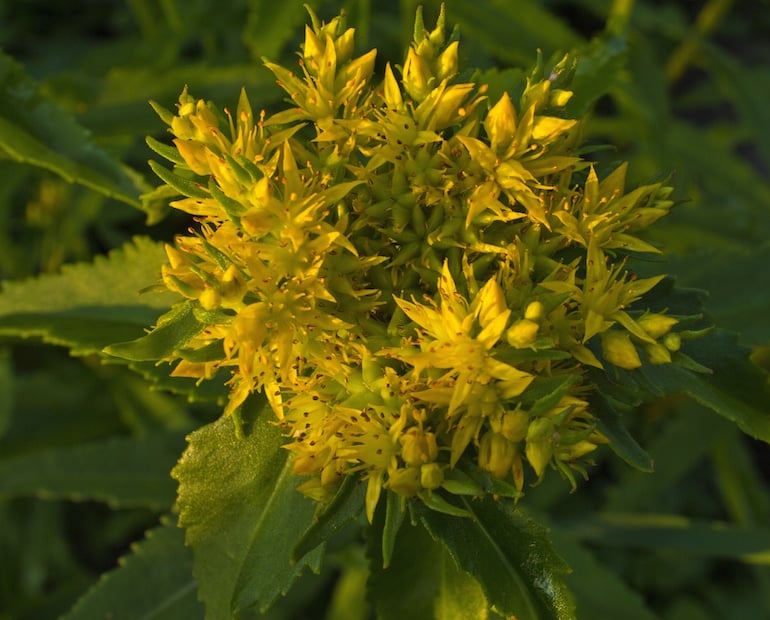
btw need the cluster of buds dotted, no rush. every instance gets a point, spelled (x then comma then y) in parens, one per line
(416, 277)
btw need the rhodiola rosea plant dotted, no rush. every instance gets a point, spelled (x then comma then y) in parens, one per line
(417, 300)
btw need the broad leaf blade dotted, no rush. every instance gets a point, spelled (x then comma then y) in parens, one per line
(243, 515)
(124, 472)
(422, 580)
(154, 582)
(511, 557)
(88, 305)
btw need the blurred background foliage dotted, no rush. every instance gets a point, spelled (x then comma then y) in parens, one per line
(677, 88)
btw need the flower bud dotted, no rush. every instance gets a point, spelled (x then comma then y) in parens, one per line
(405, 481)
(416, 76)
(656, 325)
(657, 354)
(514, 425)
(496, 454)
(618, 349)
(672, 341)
(209, 298)
(522, 333)
(535, 311)
(500, 123)
(418, 447)
(446, 64)
(539, 454)
(431, 476)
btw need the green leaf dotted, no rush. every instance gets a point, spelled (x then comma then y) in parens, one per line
(270, 26)
(511, 557)
(345, 506)
(621, 441)
(599, 591)
(88, 305)
(673, 532)
(35, 131)
(174, 330)
(422, 580)
(6, 389)
(124, 472)
(243, 515)
(155, 581)
(736, 390)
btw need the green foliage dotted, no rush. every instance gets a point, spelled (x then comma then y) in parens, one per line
(91, 427)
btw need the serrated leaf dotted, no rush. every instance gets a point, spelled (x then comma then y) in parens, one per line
(88, 305)
(736, 389)
(154, 581)
(511, 557)
(243, 515)
(124, 472)
(36, 131)
(422, 580)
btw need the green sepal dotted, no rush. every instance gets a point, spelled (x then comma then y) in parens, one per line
(186, 187)
(166, 151)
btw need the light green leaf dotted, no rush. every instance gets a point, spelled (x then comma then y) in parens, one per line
(88, 305)
(243, 515)
(35, 131)
(154, 582)
(422, 580)
(124, 472)
(511, 557)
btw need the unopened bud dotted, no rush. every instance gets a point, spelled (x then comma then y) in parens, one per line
(522, 333)
(618, 349)
(405, 481)
(656, 325)
(431, 476)
(496, 454)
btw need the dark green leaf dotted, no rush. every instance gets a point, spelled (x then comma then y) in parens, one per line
(243, 515)
(124, 472)
(155, 581)
(622, 443)
(673, 532)
(35, 131)
(599, 591)
(347, 504)
(510, 556)
(422, 580)
(737, 389)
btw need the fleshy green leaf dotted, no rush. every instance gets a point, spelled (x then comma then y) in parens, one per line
(88, 305)
(35, 131)
(511, 557)
(154, 581)
(422, 580)
(243, 515)
(6, 392)
(621, 441)
(124, 472)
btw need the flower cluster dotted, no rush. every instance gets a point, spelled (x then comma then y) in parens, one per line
(416, 277)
